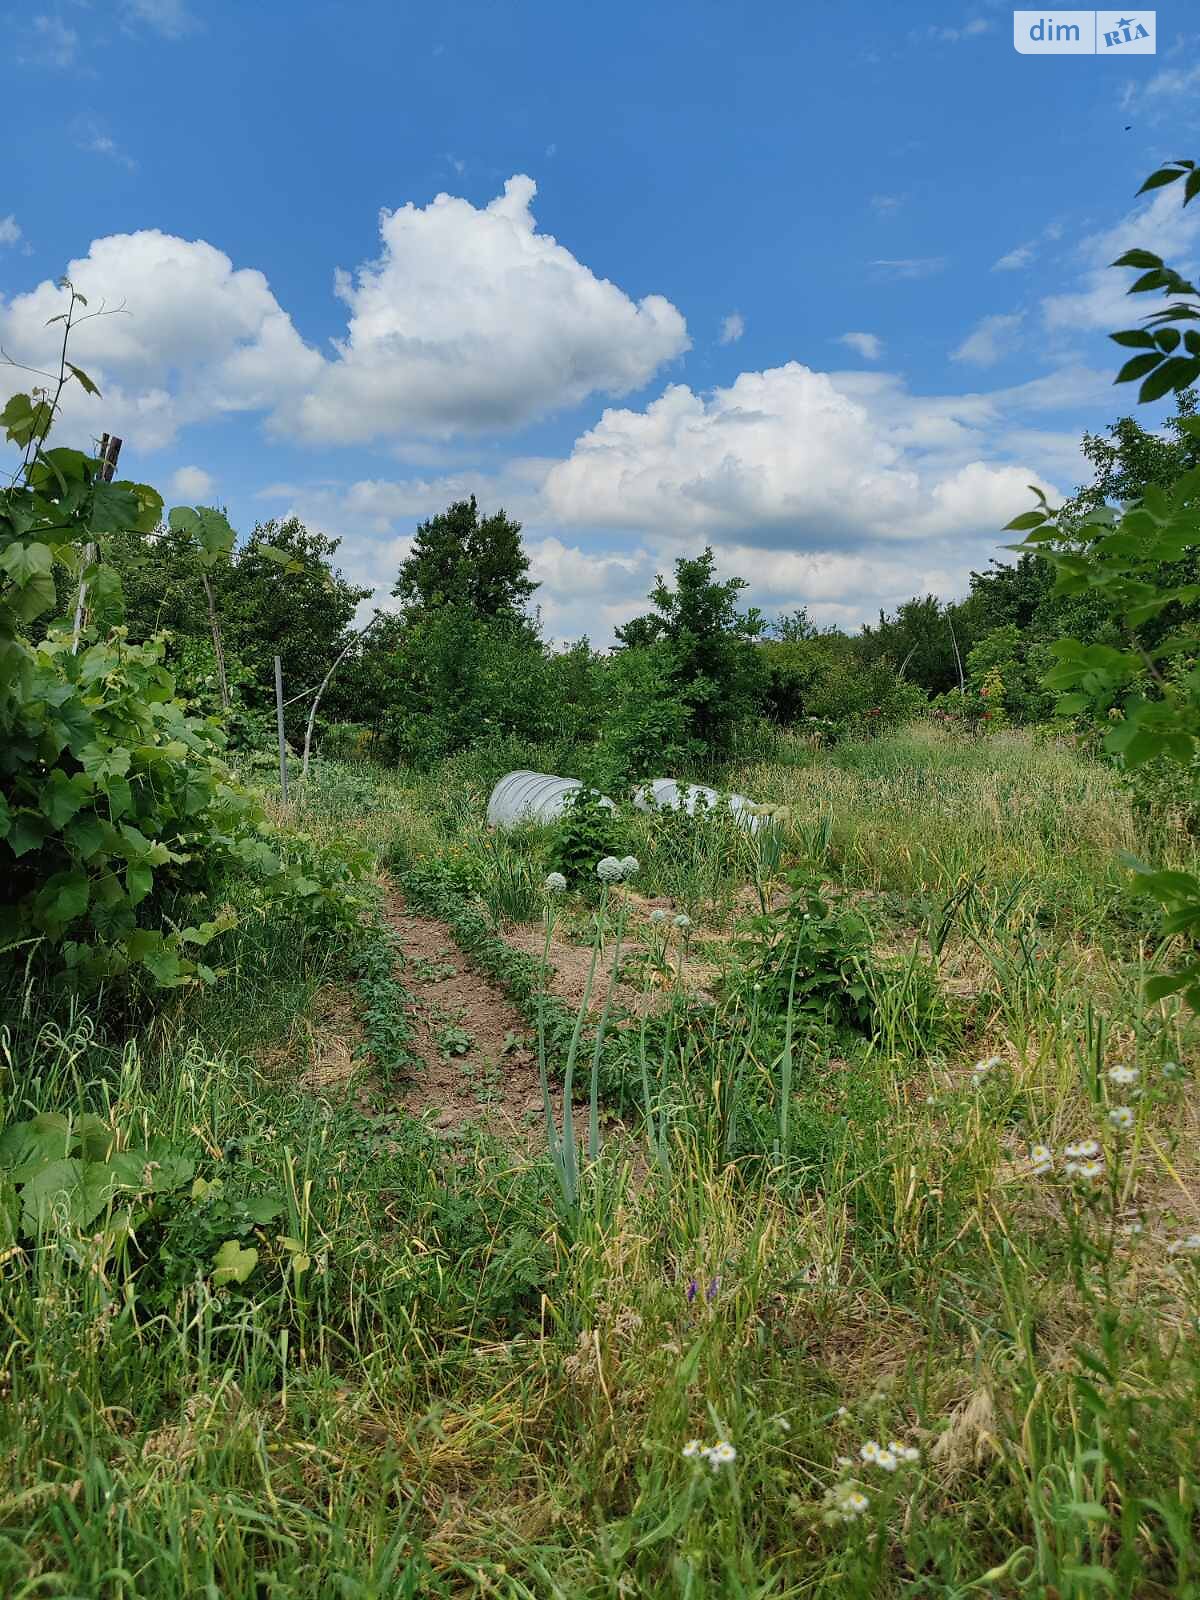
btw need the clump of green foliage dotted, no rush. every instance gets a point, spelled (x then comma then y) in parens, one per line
(709, 654)
(807, 960)
(586, 832)
(1140, 564)
(113, 799)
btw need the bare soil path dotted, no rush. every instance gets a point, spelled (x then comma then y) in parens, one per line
(478, 1054)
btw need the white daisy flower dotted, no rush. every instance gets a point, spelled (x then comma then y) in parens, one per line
(555, 883)
(887, 1461)
(1121, 1118)
(1089, 1171)
(870, 1450)
(902, 1451)
(844, 1503)
(721, 1454)
(1085, 1150)
(1041, 1160)
(692, 1449)
(1123, 1076)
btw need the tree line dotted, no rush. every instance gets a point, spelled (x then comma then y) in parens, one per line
(463, 657)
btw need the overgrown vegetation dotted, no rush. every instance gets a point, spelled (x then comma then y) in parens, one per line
(866, 1264)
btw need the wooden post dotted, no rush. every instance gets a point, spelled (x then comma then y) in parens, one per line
(110, 449)
(279, 725)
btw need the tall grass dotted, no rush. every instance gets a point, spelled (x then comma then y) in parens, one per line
(815, 1241)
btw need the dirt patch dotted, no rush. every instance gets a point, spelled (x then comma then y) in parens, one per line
(569, 965)
(479, 1063)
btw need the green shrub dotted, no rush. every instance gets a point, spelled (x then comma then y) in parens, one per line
(822, 685)
(645, 728)
(113, 800)
(586, 832)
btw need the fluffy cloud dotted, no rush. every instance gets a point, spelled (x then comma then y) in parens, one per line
(10, 231)
(868, 345)
(733, 327)
(185, 337)
(192, 484)
(471, 320)
(791, 458)
(990, 341)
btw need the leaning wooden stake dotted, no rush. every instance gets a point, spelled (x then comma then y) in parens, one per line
(279, 726)
(312, 715)
(110, 449)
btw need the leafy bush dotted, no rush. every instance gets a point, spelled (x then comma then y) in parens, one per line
(1140, 564)
(112, 798)
(645, 728)
(809, 959)
(586, 832)
(823, 684)
(1004, 672)
(457, 679)
(712, 662)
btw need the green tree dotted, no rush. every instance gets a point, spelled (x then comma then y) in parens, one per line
(714, 666)
(301, 613)
(922, 639)
(461, 559)
(793, 627)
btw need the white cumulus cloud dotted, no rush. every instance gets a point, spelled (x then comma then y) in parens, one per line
(733, 327)
(472, 319)
(790, 457)
(187, 336)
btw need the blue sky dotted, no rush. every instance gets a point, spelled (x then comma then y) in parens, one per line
(821, 286)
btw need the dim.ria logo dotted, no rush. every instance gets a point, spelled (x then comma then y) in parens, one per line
(1084, 33)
